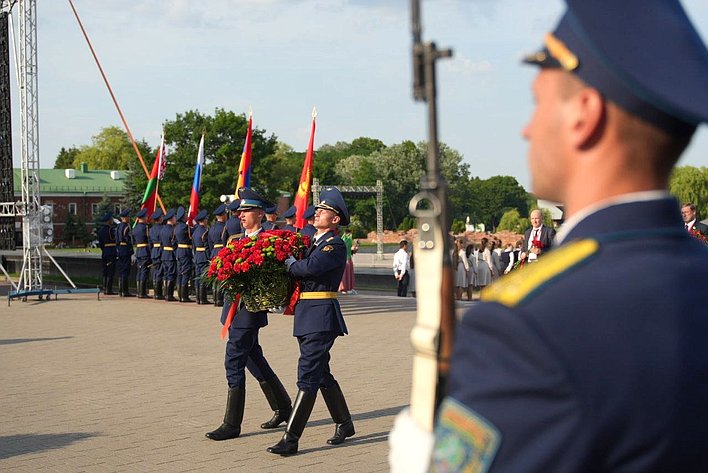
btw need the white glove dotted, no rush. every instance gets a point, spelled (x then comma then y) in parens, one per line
(289, 261)
(410, 447)
(277, 310)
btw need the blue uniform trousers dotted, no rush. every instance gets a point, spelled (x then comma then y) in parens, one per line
(169, 270)
(108, 264)
(244, 351)
(143, 268)
(156, 270)
(185, 264)
(313, 366)
(124, 266)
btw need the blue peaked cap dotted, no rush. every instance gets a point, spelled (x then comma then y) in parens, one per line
(309, 212)
(179, 215)
(201, 215)
(220, 210)
(643, 55)
(157, 214)
(251, 199)
(290, 213)
(170, 213)
(332, 199)
(141, 213)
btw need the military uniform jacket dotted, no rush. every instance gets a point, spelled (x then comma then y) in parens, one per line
(244, 318)
(155, 245)
(233, 227)
(124, 240)
(309, 230)
(594, 359)
(107, 240)
(320, 271)
(184, 239)
(201, 245)
(168, 242)
(142, 244)
(216, 238)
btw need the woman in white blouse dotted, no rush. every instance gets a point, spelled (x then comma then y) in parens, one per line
(462, 268)
(484, 265)
(472, 273)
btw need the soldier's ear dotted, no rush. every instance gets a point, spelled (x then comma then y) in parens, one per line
(336, 219)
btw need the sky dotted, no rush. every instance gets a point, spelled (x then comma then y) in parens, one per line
(350, 59)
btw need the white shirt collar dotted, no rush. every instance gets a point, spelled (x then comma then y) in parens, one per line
(254, 233)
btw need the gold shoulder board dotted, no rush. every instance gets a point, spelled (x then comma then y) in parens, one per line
(513, 288)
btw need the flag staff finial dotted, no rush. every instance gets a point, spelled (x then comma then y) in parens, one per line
(314, 112)
(250, 112)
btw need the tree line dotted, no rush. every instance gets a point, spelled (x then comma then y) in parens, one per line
(276, 167)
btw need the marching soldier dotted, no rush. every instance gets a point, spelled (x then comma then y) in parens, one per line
(309, 216)
(202, 252)
(243, 350)
(124, 245)
(142, 252)
(185, 261)
(168, 242)
(217, 235)
(318, 323)
(156, 254)
(289, 216)
(107, 242)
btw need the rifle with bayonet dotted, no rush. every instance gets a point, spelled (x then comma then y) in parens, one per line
(435, 322)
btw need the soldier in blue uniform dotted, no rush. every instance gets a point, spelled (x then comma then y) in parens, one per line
(124, 247)
(168, 244)
(233, 224)
(142, 252)
(309, 216)
(107, 242)
(289, 216)
(318, 322)
(271, 215)
(185, 259)
(243, 350)
(202, 252)
(595, 358)
(156, 254)
(217, 239)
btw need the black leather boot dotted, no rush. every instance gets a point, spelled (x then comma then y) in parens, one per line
(278, 400)
(141, 290)
(104, 285)
(337, 405)
(203, 289)
(157, 283)
(184, 293)
(304, 402)
(109, 286)
(218, 296)
(169, 287)
(125, 292)
(231, 427)
(198, 293)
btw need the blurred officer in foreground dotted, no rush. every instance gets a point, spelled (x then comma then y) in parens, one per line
(595, 358)
(289, 216)
(309, 216)
(185, 258)
(201, 255)
(168, 242)
(271, 215)
(107, 242)
(124, 246)
(156, 254)
(318, 323)
(217, 239)
(142, 252)
(243, 350)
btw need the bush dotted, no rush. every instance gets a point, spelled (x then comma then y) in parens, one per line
(458, 226)
(407, 223)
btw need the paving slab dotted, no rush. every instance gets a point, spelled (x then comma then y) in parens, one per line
(132, 385)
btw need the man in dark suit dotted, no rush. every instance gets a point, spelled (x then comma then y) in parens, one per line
(318, 323)
(538, 239)
(690, 221)
(243, 349)
(594, 359)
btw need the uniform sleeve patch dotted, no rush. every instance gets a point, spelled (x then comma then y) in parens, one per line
(517, 286)
(327, 248)
(464, 440)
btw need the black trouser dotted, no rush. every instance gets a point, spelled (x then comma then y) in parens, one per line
(403, 285)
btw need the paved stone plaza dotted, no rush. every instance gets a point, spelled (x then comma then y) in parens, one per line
(132, 385)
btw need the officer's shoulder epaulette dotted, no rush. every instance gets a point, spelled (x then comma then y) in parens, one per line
(518, 286)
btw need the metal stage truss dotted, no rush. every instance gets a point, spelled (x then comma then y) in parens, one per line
(378, 190)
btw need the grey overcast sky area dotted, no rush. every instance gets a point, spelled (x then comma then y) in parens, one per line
(349, 58)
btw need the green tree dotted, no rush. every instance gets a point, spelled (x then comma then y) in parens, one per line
(74, 231)
(496, 195)
(110, 149)
(513, 222)
(690, 184)
(66, 157)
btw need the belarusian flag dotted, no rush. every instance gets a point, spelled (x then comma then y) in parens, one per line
(303, 190)
(157, 173)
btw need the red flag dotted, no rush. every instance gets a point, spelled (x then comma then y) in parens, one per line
(150, 195)
(244, 167)
(303, 190)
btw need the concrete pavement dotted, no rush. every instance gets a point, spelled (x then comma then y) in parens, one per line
(128, 385)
